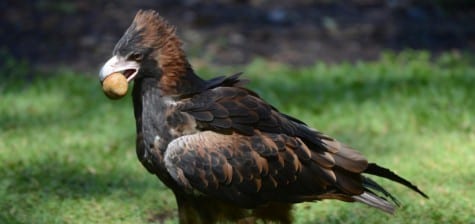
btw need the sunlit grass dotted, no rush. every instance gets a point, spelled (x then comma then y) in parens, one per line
(67, 154)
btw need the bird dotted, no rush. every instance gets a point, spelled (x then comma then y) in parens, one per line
(226, 153)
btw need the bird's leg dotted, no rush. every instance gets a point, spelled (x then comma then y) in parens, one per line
(201, 209)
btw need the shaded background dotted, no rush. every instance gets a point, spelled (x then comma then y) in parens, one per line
(81, 34)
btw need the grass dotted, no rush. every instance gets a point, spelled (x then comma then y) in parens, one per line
(67, 153)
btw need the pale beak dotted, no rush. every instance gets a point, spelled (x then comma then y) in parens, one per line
(119, 64)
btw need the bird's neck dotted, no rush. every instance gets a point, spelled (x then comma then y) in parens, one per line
(178, 84)
(150, 110)
(150, 105)
(178, 77)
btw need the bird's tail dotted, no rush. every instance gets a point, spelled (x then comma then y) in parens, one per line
(371, 197)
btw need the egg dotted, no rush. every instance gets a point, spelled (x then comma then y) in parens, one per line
(115, 86)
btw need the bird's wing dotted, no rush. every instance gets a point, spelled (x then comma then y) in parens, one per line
(235, 109)
(249, 153)
(251, 170)
(227, 108)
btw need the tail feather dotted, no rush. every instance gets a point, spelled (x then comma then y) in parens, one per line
(376, 170)
(370, 196)
(375, 201)
(372, 185)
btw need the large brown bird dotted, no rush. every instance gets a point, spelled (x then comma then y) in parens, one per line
(226, 154)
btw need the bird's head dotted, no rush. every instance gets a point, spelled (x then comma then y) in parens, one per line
(148, 48)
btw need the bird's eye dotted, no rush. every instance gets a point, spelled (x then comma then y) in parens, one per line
(136, 57)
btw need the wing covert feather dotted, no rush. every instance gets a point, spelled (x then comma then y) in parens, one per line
(251, 170)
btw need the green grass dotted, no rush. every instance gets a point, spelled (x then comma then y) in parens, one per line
(67, 153)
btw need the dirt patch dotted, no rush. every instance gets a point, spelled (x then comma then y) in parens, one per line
(81, 34)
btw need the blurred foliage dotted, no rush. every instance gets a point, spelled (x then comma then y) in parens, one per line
(13, 72)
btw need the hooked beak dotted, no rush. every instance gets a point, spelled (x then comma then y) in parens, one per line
(119, 64)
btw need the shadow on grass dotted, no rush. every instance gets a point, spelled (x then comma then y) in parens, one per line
(60, 146)
(68, 179)
(26, 185)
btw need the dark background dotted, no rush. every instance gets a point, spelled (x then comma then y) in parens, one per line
(81, 34)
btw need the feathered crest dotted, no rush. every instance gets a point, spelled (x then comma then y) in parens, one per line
(155, 30)
(156, 33)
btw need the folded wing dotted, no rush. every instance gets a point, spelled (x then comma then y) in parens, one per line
(249, 153)
(254, 170)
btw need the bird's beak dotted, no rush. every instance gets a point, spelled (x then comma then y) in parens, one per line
(119, 64)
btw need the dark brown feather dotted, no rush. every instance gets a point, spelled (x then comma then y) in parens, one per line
(267, 169)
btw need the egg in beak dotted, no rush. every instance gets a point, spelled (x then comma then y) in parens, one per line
(115, 75)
